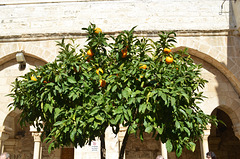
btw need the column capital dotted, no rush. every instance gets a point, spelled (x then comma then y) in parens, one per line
(206, 132)
(37, 136)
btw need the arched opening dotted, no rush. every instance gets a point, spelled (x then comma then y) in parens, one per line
(20, 141)
(17, 140)
(222, 140)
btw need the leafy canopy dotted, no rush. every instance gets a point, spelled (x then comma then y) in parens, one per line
(126, 82)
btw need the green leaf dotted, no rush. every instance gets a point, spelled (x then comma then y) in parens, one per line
(149, 129)
(159, 130)
(178, 151)
(183, 112)
(50, 147)
(46, 107)
(59, 122)
(90, 120)
(99, 117)
(192, 146)
(187, 131)
(114, 88)
(126, 92)
(142, 108)
(131, 100)
(71, 79)
(177, 124)
(169, 146)
(72, 134)
(56, 113)
(116, 120)
(173, 101)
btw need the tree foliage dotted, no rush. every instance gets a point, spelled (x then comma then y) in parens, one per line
(126, 82)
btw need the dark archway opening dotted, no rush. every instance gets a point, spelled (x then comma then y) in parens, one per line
(222, 140)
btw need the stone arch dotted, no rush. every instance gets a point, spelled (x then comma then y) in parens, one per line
(223, 139)
(215, 63)
(32, 49)
(12, 55)
(233, 114)
(16, 140)
(227, 104)
(8, 72)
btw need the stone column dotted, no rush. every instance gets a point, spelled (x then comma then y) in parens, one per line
(77, 152)
(37, 153)
(204, 142)
(164, 150)
(121, 135)
(4, 135)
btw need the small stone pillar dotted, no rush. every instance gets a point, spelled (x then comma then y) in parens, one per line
(164, 150)
(4, 135)
(37, 153)
(121, 134)
(204, 142)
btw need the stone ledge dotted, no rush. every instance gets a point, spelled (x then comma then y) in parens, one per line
(15, 2)
(145, 33)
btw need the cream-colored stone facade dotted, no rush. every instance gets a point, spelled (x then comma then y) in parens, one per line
(209, 28)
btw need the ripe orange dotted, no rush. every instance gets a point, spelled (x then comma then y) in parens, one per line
(143, 66)
(90, 52)
(102, 83)
(99, 69)
(169, 59)
(98, 30)
(124, 52)
(33, 78)
(166, 50)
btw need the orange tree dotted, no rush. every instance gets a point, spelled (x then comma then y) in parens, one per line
(133, 82)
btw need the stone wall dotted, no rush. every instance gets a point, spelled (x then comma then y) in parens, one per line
(45, 16)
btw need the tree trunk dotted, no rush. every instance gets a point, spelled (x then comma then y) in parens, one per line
(103, 148)
(124, 144)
